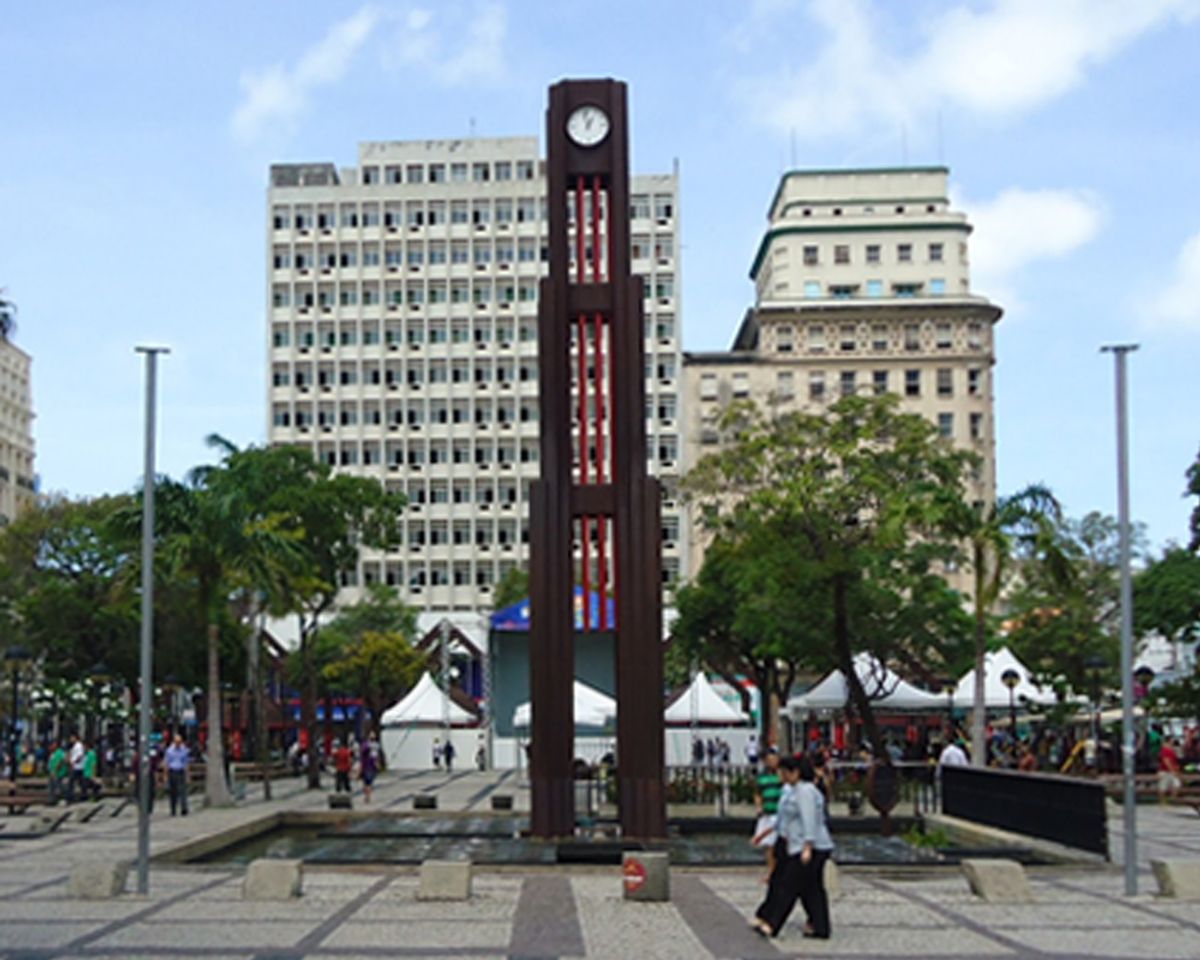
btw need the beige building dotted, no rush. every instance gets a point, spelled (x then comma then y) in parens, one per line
(17, 482)
(862, 284)
(402, 319)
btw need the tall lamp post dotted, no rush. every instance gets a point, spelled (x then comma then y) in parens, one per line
(1129, 807)
(1011, 679)
(16, 658)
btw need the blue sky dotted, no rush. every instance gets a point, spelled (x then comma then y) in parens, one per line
(137, 138)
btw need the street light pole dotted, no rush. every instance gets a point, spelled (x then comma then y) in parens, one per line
(147, 639)
(1119, 352)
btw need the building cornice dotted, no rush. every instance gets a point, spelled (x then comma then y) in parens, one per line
(774, 232)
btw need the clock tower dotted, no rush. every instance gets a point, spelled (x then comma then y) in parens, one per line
(594, 512)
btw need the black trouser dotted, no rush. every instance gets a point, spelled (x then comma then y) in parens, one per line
(812, 893)
(341, 780)
(782, 890)
(177, 786)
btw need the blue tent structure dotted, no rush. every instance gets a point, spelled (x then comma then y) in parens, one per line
(515, 619)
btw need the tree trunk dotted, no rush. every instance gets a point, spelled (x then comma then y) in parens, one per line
(841, 637)
(979, 704)
(216, 790)
(308, 709)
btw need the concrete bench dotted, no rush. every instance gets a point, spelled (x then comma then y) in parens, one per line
(340, 801)
(1177, 879)
(269, 879)
(425, 802)
(997, 881)
(445, 880)
(502, 801)
(97, 879)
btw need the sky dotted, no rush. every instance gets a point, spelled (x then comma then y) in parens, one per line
(137, 139)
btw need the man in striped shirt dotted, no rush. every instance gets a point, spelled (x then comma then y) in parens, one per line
(767, 788)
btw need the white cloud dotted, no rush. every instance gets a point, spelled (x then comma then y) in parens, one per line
(1007, 57)
(419, 43)
(277, 96)
(1019, 227)
(1178, 305)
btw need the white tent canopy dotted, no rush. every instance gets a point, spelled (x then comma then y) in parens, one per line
(995, 693)
(425, 703)
(884, 688)
(590, 707)
(700, 703)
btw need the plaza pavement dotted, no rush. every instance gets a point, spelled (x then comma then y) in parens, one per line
(197, 912)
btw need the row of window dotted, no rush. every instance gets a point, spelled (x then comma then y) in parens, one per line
(849, 383)
(815, 289)
(480, 171)
(303, 374)
(416, 332)
(872, 253)
(912, 337)
(417, 414)
(419, 575)
(479, 453)
(869, 209)
(414, 294)
(480, 252)
(478, 212)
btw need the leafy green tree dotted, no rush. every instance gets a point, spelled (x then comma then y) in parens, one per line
(512, 588)
(1064, 611)
(371, 650)
(865, 496)
(64, 577)
(1193, 490)
(1166, 596)
(337, 516)
(992, 533)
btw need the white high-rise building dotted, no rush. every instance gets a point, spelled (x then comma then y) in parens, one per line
(402, 325)
(17, 481)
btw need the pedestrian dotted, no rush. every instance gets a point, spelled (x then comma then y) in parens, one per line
(752, 751)
(481, 754)
(448, 753)
(725, 752)
(368, 766)
(437, 753)
(91, 784)
(697, 752)
(75, 757)
(1169, 782)
(783, 886)
(343, 763)
(710, 748)
(177, 759)
(767, 788)
(59, 770)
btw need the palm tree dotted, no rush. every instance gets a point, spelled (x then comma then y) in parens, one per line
(216, 538)
(992, 533)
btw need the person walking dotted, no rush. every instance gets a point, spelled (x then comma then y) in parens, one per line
(177, 759)
(75, 757)
(91, 766)
(343, 763)
(783, 887)
(58, 769)
(815, 852)
(767, 788)
(437, 753)
(448, 754)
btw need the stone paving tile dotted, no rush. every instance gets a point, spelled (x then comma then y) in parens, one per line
(41, 934)
(418, 935)
(261, 934)
(1054, 915)
(613, 928)
(53, 910)
(1132, 943)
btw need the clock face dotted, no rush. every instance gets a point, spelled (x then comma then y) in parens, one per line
(587, 125)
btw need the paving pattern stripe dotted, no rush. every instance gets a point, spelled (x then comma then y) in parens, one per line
(314, 937)
(406, 797)
(958, 919)
(717, 924)
(34, 888)
(149, 911)
(546, 923)
(1123, 902)
(490, 788)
